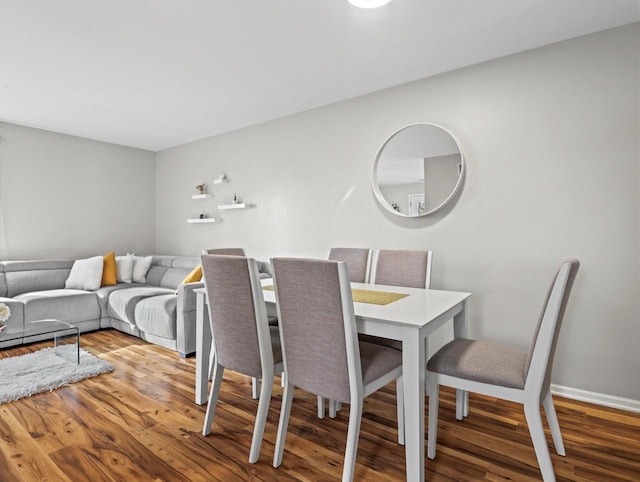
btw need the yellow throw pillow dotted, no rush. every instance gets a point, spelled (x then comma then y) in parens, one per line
(109, 270)
(195, 275)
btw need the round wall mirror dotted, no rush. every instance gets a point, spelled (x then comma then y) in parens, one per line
(418, 170)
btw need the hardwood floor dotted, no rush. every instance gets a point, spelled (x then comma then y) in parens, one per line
(140, 423)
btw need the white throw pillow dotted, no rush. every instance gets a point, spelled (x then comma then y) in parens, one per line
(141, 265)
(124, 268)
(86, 274)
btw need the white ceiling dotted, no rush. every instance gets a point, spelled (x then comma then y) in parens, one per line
(158, 73)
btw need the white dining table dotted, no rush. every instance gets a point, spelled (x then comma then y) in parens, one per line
(410, 319)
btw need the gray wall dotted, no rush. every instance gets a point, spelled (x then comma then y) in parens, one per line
(64, 196)
(551, 142)
(551, 139)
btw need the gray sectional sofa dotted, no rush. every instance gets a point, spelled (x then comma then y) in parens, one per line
(161, 311)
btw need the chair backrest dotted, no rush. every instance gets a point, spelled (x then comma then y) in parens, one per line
(411, 269)
(540, 359)
(358, 261)
(237, 313)
(227, 251)
(317, 326)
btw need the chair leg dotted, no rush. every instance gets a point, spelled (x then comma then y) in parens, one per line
(320, 407)
(218, 371)
(465, 402)
(432, 428)
(285, 410)
(400, 409)
(554, 426)
(212, 362)
(333, 408)
(255, 387)
(534, 421)
(462, 404)
(353, 433)
(261, 420)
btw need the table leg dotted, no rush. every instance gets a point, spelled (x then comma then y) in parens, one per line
(203, 349)
(413, 373)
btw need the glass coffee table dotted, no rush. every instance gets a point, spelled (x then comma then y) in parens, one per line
(66, 337)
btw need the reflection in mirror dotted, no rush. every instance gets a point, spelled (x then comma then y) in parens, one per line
(418, 170)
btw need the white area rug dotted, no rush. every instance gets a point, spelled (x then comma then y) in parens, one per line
(25, 375)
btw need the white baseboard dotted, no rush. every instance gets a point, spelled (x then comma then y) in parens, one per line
(597, 398)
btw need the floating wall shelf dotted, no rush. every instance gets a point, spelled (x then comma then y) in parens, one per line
(201, 196)
(221, 180)
(236, 206)
(201, 221)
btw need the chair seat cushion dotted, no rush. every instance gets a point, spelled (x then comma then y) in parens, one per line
(378, 360)
(378, 340)
(480, 361)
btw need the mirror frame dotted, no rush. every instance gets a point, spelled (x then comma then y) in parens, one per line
(374, 174)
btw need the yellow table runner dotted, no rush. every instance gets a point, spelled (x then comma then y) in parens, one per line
(376, 297)
(372, 297)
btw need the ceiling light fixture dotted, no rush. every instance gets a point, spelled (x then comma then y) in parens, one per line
(368, 3)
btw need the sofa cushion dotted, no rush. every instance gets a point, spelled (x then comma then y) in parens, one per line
(179, 270)
(103, 296)
(194, 276)
(141, 265)
(155, 274)
(124, 268)
(27, 276)
(63, 304)
(86, 274)
(157, 315)
(122, 302)
(109, 270)
(170, 271)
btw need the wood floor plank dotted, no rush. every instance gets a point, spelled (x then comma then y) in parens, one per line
(140, 423)
(21, 456)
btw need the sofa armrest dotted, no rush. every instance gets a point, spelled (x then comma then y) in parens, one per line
(186, 318)
(187, 296)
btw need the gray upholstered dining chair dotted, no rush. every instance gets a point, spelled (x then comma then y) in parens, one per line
(243, 341)
(397, 267)
(358, 261)
(320, 346)
(227, 251)
(232, 252)
(503, 372)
